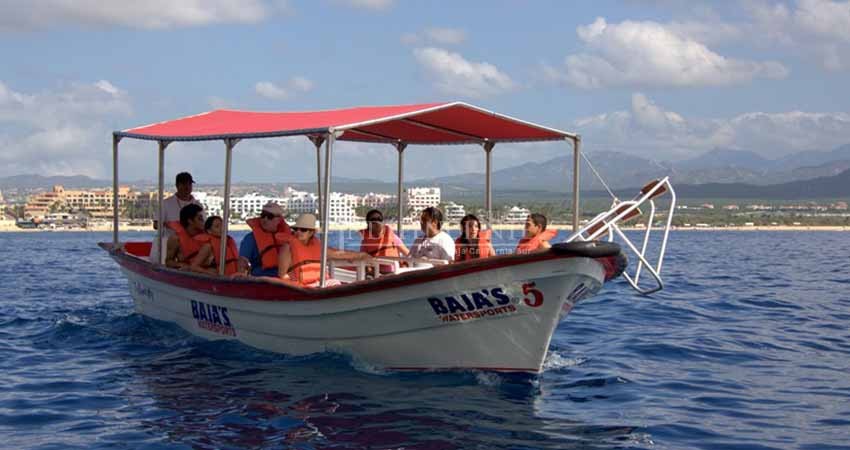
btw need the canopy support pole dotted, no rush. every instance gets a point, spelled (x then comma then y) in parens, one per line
(115, 141)
(317, 142)
(159, 195)
(400, 146)
(488, 195)
(576, 161)
(225, 219)
(326, 202)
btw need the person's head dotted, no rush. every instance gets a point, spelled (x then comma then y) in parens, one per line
(470, 226)
(213, 226)
(431, 221)
(192, 217)
(184, 183)
(535, 223)
(375, 222)
(270, 217)
(305, 227)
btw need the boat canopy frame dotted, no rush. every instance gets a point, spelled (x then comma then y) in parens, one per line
(399, 126)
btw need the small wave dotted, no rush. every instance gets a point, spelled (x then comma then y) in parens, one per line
(557, 361)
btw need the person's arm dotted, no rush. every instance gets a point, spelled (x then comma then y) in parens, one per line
(201, 262)
(448, 246)
(248, 251)
(284, 260)
(490, 250)
(401, 247)
(544, 245)
(172, 249)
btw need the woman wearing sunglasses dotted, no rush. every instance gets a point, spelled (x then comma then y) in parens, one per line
(379, 239)
(300, 258)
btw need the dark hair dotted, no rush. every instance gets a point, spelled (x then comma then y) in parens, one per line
(374, 211)
(433, 214)
(210, 221)
(539, 220)
(463, 221)
(189, 212)
(183, 177)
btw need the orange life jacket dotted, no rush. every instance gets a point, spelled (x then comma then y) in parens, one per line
(306, 261)
(189, 247)
(527, 245)
(269, 243)
(230, 257)
(483, 247)
(383, 245)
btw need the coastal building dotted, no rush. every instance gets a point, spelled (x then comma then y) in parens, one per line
(374, 200)
(342, 208)
(299, 202)
(212, 204)
(517, 215)
(454, 212)
(418, 198)
(250, 205)
(97, 203)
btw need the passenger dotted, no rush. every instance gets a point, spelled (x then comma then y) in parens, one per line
(260, 247)
(379, 239)
(182, 247)
(211, 249)
(434, 243)
(536, 235)
(171, 207)
(473, 242)
(300, 257)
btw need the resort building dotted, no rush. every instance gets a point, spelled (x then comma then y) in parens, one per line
(342, 208)
(517, 215)
(419, 198)
(97, 203)
(373, 200)
(454, 212)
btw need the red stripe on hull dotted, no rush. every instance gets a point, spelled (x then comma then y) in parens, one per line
(262, 290)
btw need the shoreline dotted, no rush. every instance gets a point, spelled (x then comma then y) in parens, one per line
(12, 228)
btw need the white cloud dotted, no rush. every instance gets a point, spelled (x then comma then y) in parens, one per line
(272, 91)
(149, 14)
(649, 130)
(811, 28)
(651, 54)
(453, 74)
(376, 5)
(59, 132)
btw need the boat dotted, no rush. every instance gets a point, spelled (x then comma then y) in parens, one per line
(493, 314)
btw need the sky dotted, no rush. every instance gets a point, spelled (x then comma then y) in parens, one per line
(661, 79)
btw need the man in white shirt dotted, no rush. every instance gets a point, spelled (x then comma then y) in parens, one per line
(171, 207)
(434, 243)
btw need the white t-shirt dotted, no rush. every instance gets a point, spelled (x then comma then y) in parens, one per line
(171, 207)
(441, 246)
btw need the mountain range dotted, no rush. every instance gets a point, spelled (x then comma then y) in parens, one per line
(707, 175)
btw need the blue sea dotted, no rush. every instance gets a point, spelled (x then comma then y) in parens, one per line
(747, 348)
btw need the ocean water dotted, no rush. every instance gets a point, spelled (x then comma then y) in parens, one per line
(747, 348)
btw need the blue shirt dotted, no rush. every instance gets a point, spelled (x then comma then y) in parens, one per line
(248, 249)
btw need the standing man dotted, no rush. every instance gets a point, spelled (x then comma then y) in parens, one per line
(171, 207)
(260, 246)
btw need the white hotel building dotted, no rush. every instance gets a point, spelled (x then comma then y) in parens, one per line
(418, 198)
(342, 208)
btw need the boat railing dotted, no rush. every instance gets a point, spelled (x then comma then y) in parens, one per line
(348, 270)
(607, 224)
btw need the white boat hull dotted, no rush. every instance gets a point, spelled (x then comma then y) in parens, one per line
(499, 319)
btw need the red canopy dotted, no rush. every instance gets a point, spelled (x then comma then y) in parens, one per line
(431, 123)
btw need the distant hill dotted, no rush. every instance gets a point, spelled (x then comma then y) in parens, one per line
(32, 181)
(836, 186)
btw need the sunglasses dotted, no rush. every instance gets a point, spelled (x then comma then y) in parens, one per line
(375, 219)
(301, 230)
(268, 216)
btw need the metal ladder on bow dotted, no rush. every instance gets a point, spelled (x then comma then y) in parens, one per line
(608, 223)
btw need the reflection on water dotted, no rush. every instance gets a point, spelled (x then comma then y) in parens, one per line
(211, 397)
